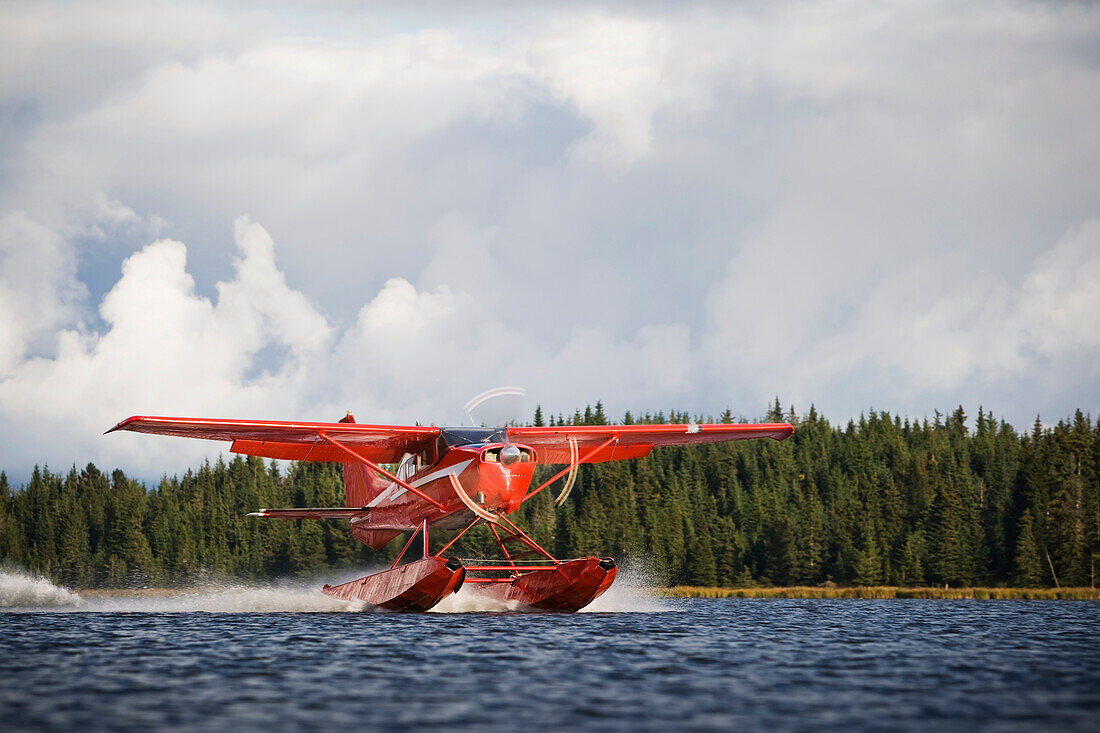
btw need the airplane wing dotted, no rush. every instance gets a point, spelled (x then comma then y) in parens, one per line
(553, 444)
(297, 441)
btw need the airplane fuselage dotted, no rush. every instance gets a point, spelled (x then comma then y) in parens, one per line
(494, 477)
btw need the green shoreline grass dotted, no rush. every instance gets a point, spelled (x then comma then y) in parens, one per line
(984, 594)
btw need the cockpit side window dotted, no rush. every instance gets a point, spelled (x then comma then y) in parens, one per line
(407, 468)
(426, 457)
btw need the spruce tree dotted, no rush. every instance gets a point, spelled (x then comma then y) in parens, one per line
(1029, 568)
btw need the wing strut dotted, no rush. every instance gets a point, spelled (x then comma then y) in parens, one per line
(572, 466)
(455, 539)
(511, 527)
(379, 469)
(423, 528)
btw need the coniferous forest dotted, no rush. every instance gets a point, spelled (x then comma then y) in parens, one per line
(881, 500)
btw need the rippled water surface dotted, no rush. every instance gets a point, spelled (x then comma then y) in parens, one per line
(704, 664)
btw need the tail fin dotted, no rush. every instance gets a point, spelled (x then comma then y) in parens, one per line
(361, 484)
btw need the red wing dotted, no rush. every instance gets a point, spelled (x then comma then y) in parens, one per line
(297, 441)
(634, 441)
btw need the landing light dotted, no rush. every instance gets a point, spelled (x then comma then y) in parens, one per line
(509, 454)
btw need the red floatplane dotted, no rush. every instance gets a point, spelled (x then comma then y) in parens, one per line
(451, 479)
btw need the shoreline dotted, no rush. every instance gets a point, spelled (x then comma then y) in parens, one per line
(887, 592)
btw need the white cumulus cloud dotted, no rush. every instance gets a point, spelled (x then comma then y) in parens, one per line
(696, 207)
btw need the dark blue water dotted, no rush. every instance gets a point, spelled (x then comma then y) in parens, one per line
(702, 664)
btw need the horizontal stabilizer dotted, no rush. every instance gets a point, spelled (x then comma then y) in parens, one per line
(337, 512)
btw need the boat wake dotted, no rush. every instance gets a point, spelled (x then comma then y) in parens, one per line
(21, 591)
(632, 592)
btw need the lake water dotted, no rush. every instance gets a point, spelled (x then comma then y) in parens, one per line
(286, 658)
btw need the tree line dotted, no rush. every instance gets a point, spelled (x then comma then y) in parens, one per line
(879, 500)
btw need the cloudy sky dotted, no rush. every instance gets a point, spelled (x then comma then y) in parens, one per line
(264, 211)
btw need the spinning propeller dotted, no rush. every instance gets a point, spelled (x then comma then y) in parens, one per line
(515, 414)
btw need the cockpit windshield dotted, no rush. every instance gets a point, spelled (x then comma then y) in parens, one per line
(453, 437)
